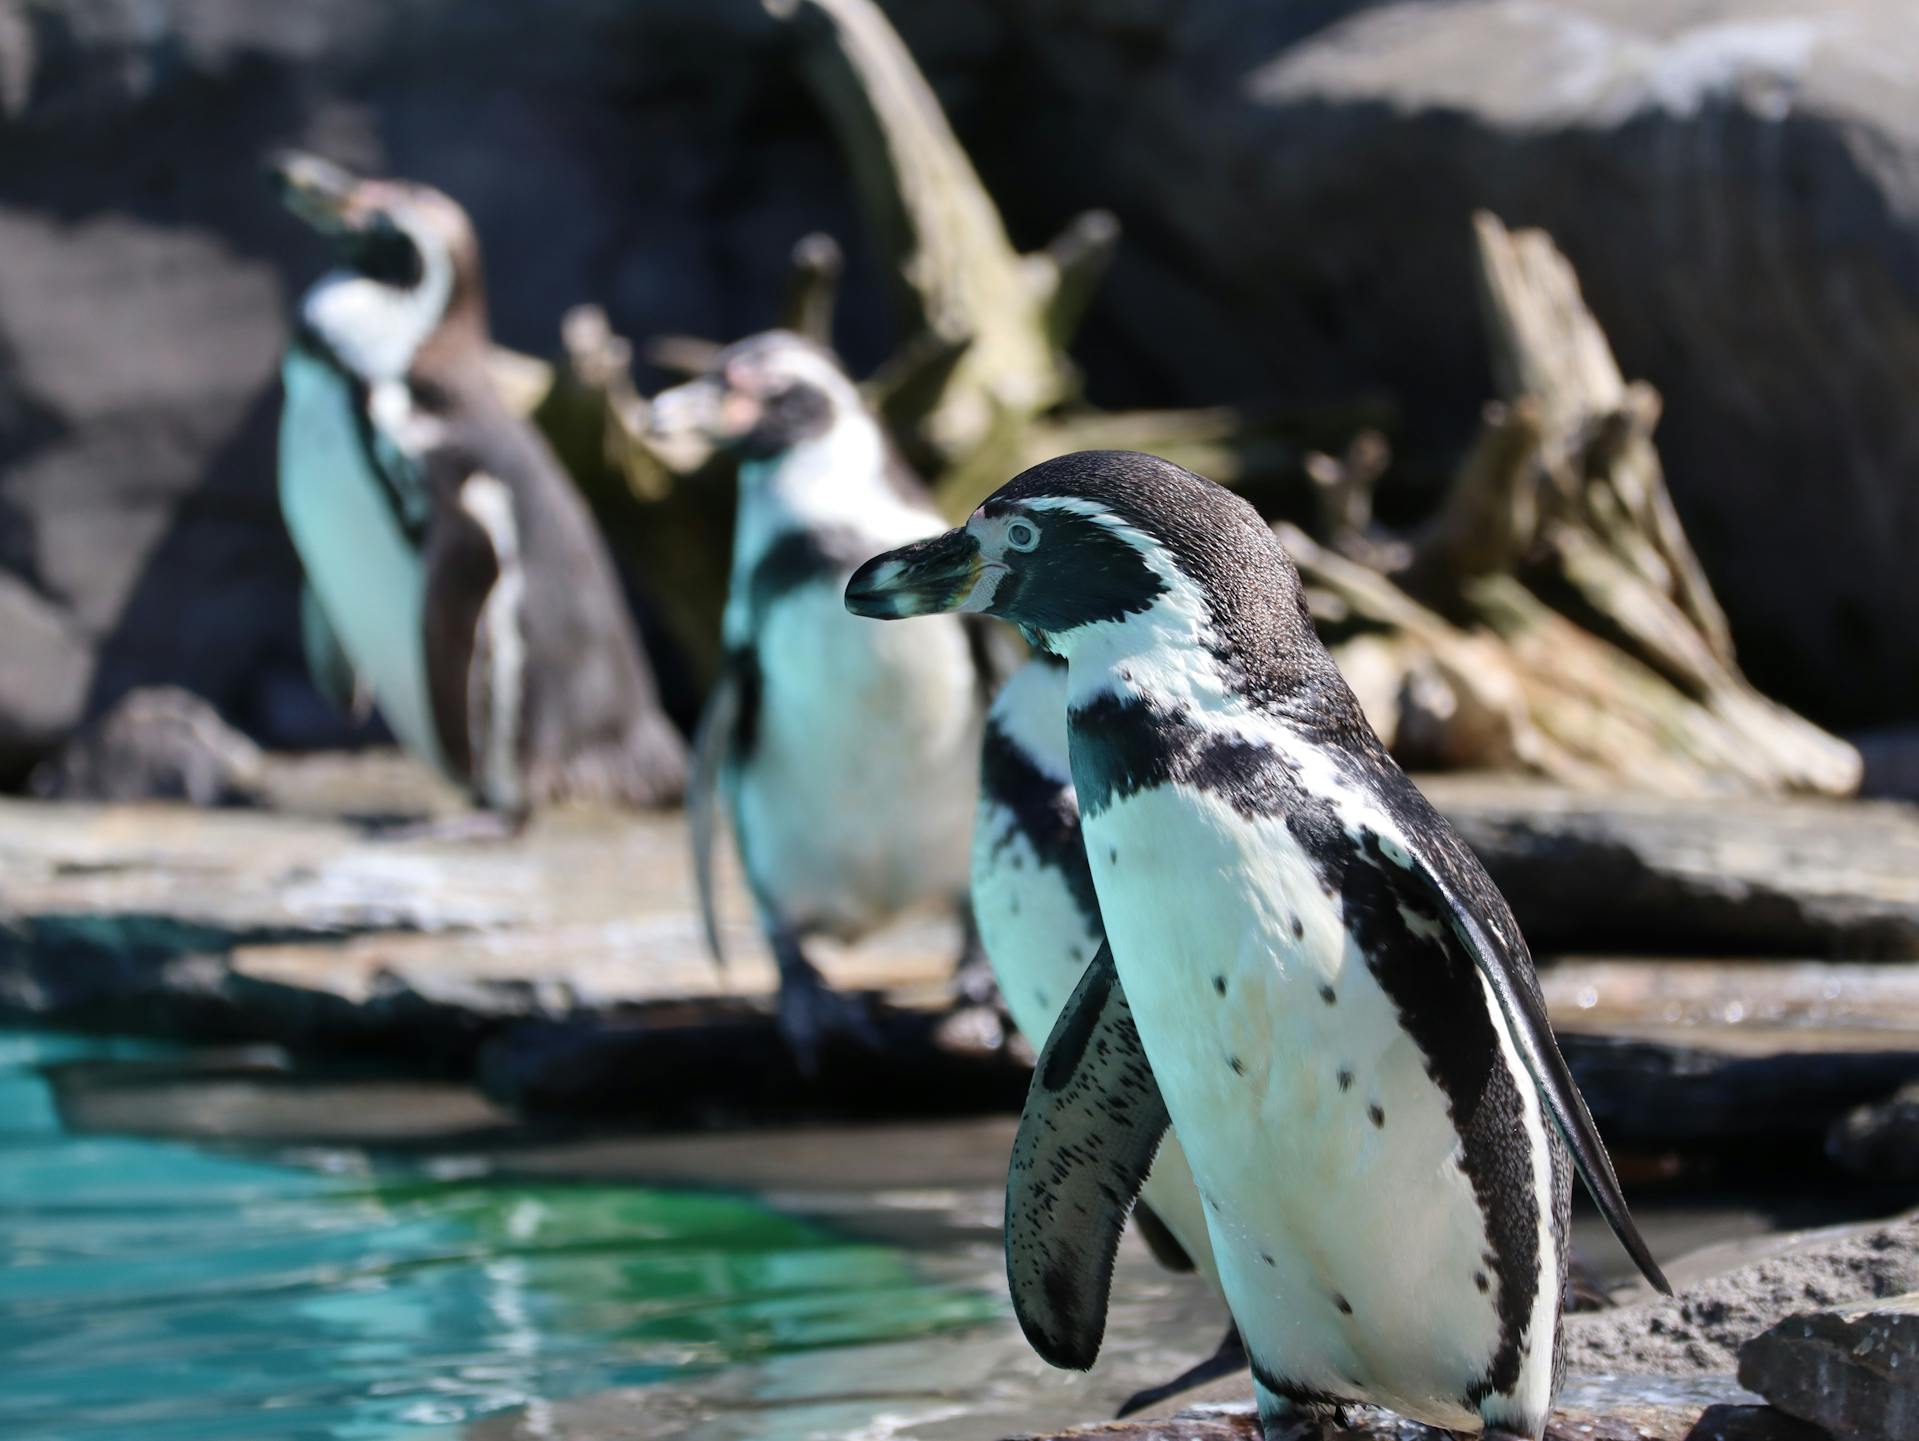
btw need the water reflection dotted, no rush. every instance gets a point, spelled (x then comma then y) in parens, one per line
(157, 1290)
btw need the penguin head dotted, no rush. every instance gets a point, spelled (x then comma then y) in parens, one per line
(1095, 539)
(409, 266)
(762, 397)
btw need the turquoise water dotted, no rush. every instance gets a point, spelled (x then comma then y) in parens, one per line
(159, 1291)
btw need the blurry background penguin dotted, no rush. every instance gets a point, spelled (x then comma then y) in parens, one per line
(452, 570)
(1039, 922)
(847, 754)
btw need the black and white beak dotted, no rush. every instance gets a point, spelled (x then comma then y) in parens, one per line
(686, 424)
(929, 577)
(324, 195)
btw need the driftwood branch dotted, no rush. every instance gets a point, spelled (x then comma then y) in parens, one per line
(1553, 614)
(960, 279)
(813, 287)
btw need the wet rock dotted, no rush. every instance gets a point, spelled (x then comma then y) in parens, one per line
(1853, 1370)
(1880, 1141)
(1643, 873)
(159, 743)
(570, 956)
(1719, 1306)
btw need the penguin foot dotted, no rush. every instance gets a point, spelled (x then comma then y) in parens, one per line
(811, 1013)
(1284, 1420)
(1228, 1358)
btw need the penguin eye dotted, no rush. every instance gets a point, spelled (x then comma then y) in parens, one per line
(1022, 535)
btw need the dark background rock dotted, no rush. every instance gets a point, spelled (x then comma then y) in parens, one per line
(1841, 1368)
(1732, 178)
(159, 743)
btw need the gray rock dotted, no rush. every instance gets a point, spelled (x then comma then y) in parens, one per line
(1699, 1331)
(159, 743)
(1733, 179)
(1853, 1370)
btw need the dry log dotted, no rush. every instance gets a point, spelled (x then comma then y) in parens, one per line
(674, 532)
(960, 279)
(1558, 544)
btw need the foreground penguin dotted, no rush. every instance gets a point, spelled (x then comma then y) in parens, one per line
(1307, 973)
(846, 750)
(452, 570)
(1039, 923)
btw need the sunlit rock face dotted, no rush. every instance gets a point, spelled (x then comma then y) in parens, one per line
(1733, 181)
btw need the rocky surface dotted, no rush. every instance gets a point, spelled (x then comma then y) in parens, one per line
(1628, 1422)
(1295, 182)
(568, 964)
(567, 967)
(1850, 1370)
(1718, 1309)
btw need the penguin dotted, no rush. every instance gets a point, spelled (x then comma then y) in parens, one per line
(845, 819)
(452, 571)
(1306, 974)
(1039, 924)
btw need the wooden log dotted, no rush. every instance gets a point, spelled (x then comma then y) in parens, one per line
(1558, 542)
(959, 278)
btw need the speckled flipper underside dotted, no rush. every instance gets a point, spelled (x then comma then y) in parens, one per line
(1092, 1123)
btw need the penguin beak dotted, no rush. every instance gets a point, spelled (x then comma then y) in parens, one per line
(928, 577)
(683, 424)
(321, 193)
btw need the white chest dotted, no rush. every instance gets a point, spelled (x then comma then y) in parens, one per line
(368, 575)
(855, 800)
(1347, 1237)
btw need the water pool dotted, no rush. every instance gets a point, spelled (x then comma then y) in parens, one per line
(154, 1290)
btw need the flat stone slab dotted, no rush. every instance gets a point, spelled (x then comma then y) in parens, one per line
(557, 961)
(585, 913)
(1597, 873)
(1853, 1370)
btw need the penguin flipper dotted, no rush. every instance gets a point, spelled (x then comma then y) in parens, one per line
(1093, 1121)
(1503, 964)
(328, 663)
(712, 743)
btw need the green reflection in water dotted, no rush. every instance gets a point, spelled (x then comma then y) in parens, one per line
(154, 1290)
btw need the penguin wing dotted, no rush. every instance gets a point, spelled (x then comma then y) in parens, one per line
(713, 742)
(1450, 881)
(1092, 1123)
(330, 667)
(461, 569)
